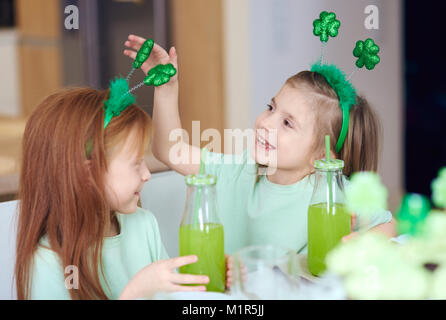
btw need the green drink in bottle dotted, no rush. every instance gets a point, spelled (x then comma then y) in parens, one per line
(201, 232)
(326, 227)
(328, 218)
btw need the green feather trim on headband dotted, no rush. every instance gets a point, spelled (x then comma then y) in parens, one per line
(118, 100)
(346, 95)
(336, 79)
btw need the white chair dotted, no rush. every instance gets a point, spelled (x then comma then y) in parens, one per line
(8, 229)
(165, 196)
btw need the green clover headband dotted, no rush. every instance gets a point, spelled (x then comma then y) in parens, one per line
(367, 53)
(345, 91)
(121, 97)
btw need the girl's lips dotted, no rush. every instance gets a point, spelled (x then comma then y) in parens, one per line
(264, 143)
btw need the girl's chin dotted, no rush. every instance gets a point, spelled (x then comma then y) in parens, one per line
(263, 157)
(131, 207)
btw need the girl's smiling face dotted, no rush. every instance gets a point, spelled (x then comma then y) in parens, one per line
(127, 172)
(285, 132)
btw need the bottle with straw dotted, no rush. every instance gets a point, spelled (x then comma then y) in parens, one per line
(201, 232)
(328, 218)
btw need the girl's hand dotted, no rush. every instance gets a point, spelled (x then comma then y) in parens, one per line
(229, 264)
(161, 277)
(353, 233)
(157, 56)
(349, 236)
(230, 268)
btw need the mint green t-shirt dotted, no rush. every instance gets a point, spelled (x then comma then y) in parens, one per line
(263, 213)
(137, 245)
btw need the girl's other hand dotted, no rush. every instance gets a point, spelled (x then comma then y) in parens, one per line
(160, 276)
(353, 222)
(353, 233)
(230, 271)
(349, 236)
(229, 267)
(157, 56)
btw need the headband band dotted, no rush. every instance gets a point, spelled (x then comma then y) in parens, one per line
(345, 91)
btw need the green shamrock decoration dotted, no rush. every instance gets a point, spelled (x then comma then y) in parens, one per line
(326, 26)
(365, 194)
(367, 54)
(439, 189)
(143, 53)
(412, 213)
(160, 74)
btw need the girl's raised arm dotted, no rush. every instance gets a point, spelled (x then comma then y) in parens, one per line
(166, 130)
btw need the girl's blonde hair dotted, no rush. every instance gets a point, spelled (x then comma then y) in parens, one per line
(60, 195)
(361, 147)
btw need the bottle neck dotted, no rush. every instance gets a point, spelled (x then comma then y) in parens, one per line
(328, 187)
(201, 205)
(324, 172)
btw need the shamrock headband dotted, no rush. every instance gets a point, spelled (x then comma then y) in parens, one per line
(121, 97)
(367, 53)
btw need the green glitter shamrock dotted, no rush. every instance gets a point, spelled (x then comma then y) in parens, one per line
(439, 189)
(326, 26)
(367, 54)
(365, 193)
(160, 74)
(412, 213)
(143, 53)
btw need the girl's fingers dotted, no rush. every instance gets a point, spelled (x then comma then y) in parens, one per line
(349, 236)
(136, 39)
(353, 221)
(189, 279)
(130, 53)
(188, 288)
(132, 45)
(136, 46)
(173, 57)
(228, 279)
(182, 261)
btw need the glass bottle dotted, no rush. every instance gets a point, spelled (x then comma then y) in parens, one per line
(201, 232)
(328, 218)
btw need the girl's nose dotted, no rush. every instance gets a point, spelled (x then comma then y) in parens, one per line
(267, 123)
(146, 173)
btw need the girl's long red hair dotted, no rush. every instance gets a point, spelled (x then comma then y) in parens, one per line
(61, 195)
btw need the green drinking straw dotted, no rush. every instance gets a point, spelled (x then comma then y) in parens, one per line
(199, 191)
(327, 157)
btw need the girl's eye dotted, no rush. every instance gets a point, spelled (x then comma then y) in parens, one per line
(287, 123)
(270, 107)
